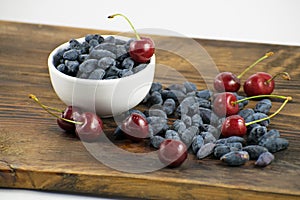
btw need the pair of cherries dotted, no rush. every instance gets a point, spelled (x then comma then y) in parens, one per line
(260, 83)
(226, 105)
(86, 125)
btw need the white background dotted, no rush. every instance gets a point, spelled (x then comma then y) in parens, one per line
(264, 21)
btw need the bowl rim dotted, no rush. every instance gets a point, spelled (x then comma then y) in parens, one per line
(82, 80)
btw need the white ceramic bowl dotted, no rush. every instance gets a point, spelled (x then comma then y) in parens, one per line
(105, 97)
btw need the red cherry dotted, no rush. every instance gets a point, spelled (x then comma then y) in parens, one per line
(135, 127)
(229, 82)
(261, 83)
(224, 104)
(141, 50)
(172, 152)
(69, 113)
(234, 125)
(89, 128)
(257, 84)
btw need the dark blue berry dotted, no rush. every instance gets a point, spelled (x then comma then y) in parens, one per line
(264, 159)
(197, 120)
(97, 74)
(156, 86)
(187, 120)
(204, 94)
(234, 145)
(113, 71)
(177, 87)
(74, 44)
(106, 62)
(273, 133)
(106, 46)
(275, 144)
(221, 150)
(206, 115)
(155, 99)
(139, 67)
(88, 66)
(158, 124)
(62, 68)
(255, 133)
(188, 134)
(205, 150)
(71, 54)
(189, 86)
(110, 39)
(126, 72)
(232, 139)
(210, 128)
(208, 137)
(171, 134)
(93, 43)
(156, 140)
(255, 151)
(197, 143)
(58, 58)
(98, 54)
(245, 113)
(263, 106)
(235, 158)
(128, 63)
(167, 94)
(157, 113)
(82, 57)
(179, 125)
(169, 106)
(204, 103)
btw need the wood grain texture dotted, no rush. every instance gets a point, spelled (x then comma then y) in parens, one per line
(36, 154)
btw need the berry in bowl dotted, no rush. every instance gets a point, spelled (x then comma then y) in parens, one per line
(101, 73)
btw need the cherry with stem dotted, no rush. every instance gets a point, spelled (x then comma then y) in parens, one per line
(262, 83)
(142, 49)
(235, 125)
(226, 103)
(229, 82)
(88, 126)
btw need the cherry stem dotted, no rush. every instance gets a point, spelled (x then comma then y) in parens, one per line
(47, 109)
(136, 34)
(272, 115)
(255, 63)
(284, 75)
(259, 96)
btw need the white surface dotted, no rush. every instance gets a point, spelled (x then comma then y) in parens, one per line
(267, 21)
(16, 194)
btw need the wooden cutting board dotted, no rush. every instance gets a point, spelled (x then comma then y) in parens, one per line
(36, 154)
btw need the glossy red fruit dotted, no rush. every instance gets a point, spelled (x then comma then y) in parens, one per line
(69, 113)
(172, 152)
(135, 127)
(234, 125)
(224, 104)
(260, 83)
(141, 50)
(90, 127)
(227, 81)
